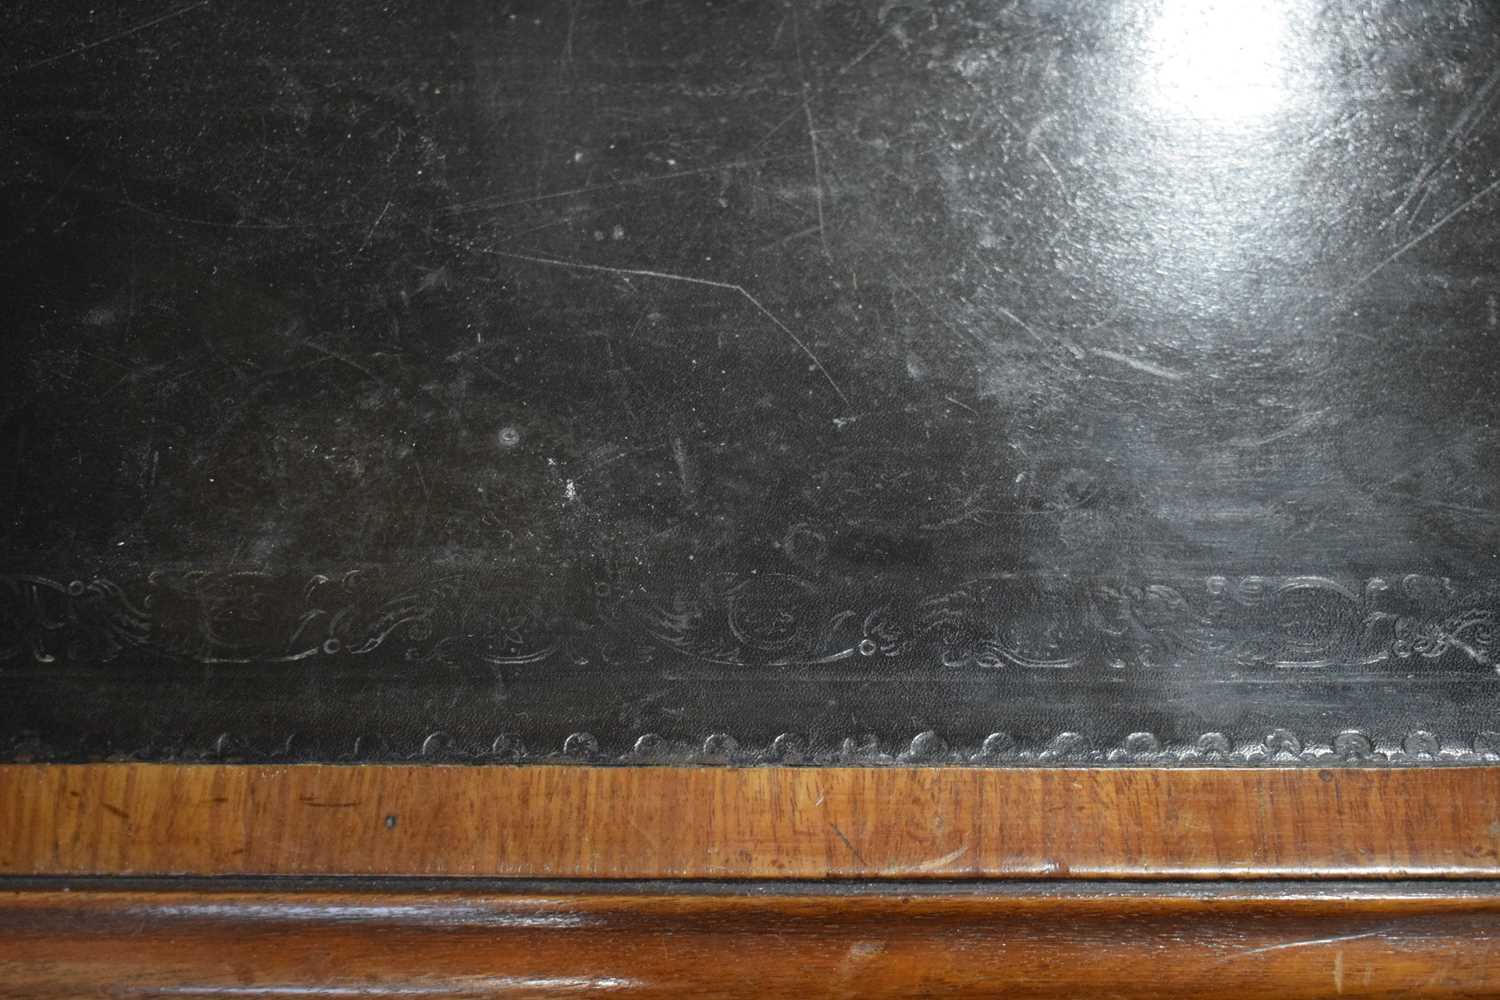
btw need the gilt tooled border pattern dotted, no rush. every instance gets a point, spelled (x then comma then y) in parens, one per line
(1244, 627)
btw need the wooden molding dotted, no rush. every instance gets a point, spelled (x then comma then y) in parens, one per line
(1244, 942)
(650, 823)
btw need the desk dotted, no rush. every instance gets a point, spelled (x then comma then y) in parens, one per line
(881, 497)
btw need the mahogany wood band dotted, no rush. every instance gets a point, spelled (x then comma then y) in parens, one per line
(650, 823)
(1280, 943)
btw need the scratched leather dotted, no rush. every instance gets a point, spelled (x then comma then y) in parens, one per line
(1028, 381)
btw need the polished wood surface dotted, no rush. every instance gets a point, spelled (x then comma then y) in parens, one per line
(1025, 942)
(906, 823)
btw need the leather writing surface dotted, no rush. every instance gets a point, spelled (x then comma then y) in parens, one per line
(668, 381)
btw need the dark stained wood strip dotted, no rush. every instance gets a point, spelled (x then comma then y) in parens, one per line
(1282, 944)
(648, 823)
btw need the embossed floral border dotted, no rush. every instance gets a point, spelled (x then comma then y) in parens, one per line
(1313, 625)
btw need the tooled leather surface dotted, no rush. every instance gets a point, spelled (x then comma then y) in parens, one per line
(838, 382)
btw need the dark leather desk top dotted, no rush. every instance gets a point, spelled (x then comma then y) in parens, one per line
(862, 381)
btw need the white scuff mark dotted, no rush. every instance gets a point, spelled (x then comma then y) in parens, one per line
(1310, 943)
(640, 272)
(1138, 364)
(937, 864)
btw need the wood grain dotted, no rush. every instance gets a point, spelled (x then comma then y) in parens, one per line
(893, 823)
(1028, 943)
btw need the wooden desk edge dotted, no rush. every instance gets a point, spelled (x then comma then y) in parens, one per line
(1266, 941)
(748, 823)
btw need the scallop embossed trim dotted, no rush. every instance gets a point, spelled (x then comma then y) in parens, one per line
(1070, 641)
(1279, 747)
